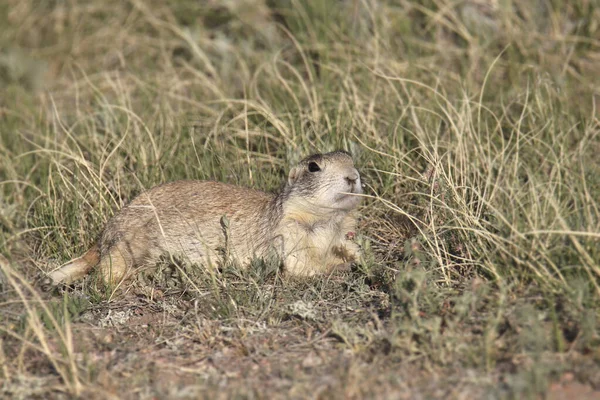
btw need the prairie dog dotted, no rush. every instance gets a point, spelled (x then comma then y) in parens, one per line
(307, 224)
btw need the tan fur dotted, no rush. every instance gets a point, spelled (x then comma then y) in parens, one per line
(200, 221)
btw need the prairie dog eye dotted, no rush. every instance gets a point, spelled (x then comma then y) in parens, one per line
(313, 167)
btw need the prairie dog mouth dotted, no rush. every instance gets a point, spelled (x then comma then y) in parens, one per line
(354, 189)
(347, 195)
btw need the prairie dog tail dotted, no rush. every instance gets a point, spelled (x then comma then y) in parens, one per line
(76, 268)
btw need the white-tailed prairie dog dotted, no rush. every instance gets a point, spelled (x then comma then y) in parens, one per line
(309, 224)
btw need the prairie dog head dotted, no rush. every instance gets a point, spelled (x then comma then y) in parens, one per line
(326, 181)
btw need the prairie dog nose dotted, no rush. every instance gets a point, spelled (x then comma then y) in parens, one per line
(352, 177)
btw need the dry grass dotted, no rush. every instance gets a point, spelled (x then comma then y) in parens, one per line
(475, 125)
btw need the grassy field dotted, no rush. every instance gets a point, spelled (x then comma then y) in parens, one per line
(474, 124)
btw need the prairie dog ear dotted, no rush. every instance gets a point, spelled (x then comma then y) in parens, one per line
(294, 175)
